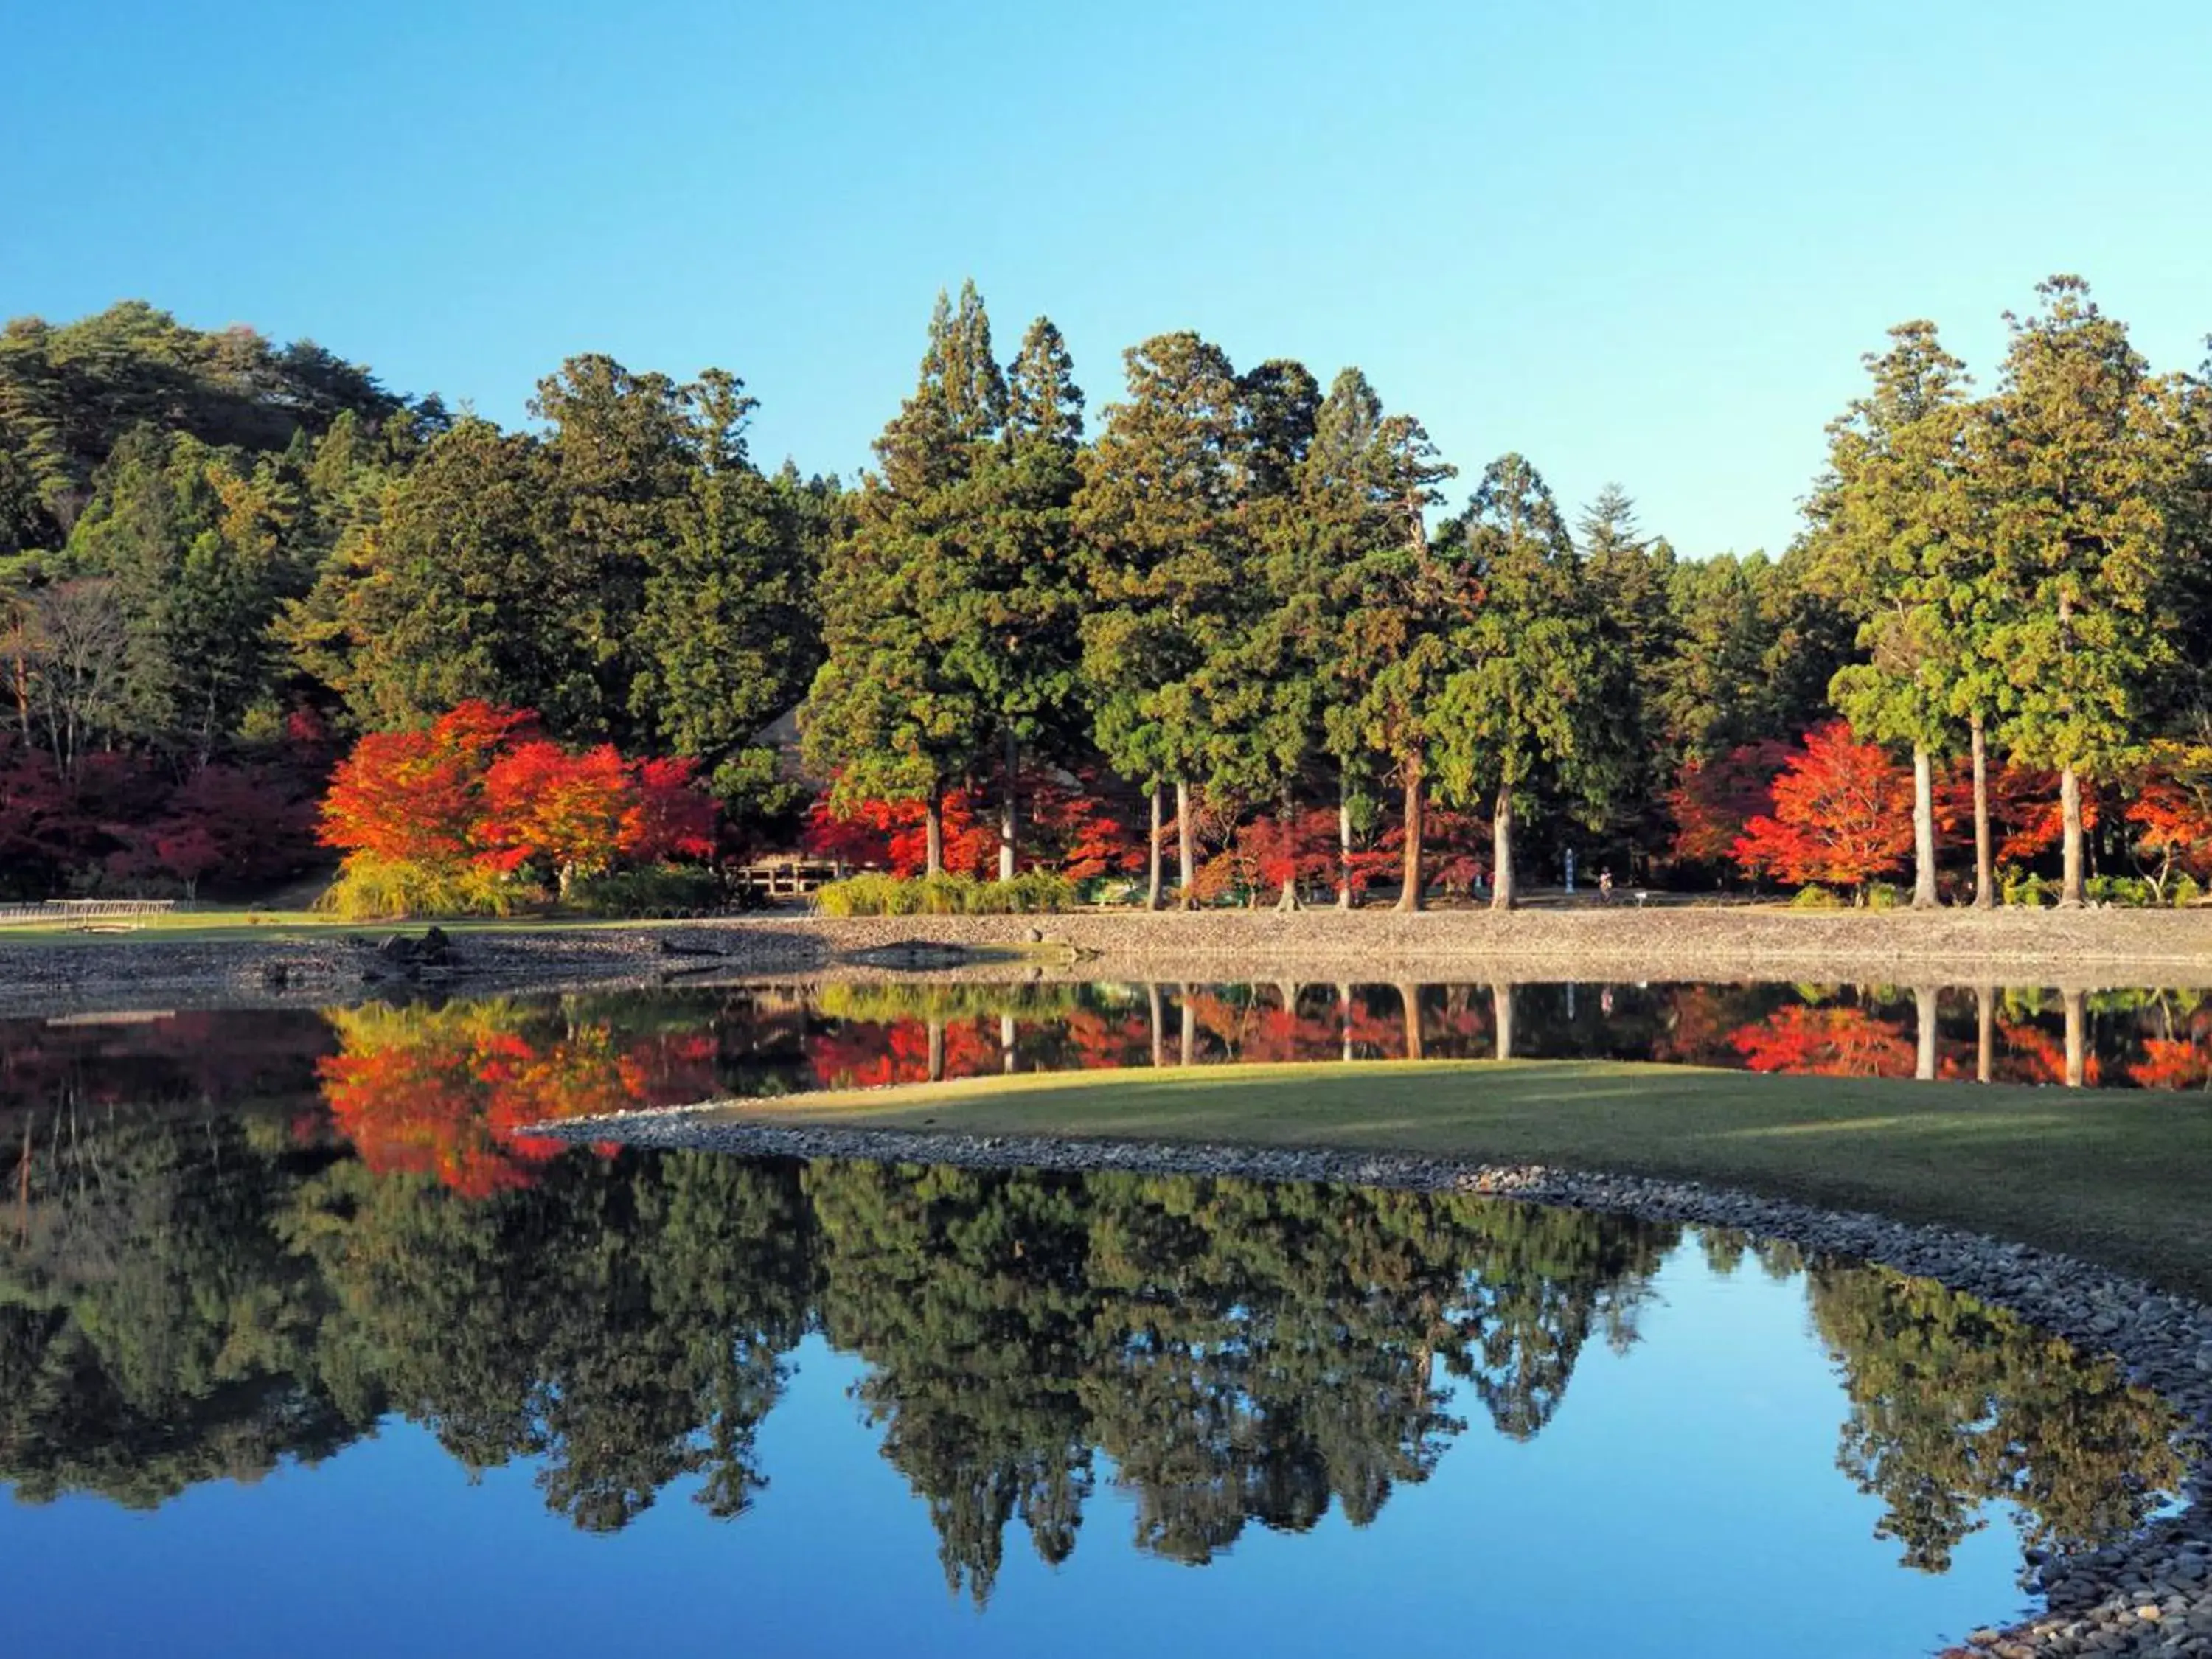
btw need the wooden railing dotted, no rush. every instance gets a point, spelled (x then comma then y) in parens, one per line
(63, 913)
(788, 877)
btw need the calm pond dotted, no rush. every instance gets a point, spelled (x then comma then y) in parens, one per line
(304, 1347)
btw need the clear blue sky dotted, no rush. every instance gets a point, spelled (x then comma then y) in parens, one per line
(1637, 241)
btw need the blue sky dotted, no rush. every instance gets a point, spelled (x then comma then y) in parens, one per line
(1635, 241)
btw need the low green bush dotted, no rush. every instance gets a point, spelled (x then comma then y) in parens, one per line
(385, 889)
(1031, 892)
(2020, 888)
(664, 890)
(2183, 892)
(1884, 895)
(2125, 891)
(1816, 898)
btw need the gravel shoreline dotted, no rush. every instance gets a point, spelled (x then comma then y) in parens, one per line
(2152, 1595)
(2048, 948)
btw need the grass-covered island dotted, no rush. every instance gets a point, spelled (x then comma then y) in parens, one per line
(2119, 1178)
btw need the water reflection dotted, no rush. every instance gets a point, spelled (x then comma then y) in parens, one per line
(184, 1301)
(447, 1089)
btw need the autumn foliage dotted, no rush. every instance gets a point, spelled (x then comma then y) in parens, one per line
(1075, 828)
(481, 791)
(121, 824)
(448, 1092)
(1841, 814)
(2172, 811)
(1714, 800)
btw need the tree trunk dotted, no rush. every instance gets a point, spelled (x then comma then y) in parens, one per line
(2070, 894)
(1152, 858)
(1009, 821)
(1344, 1016)
(2077, 1037)
(1985, 884)
(1985, 1033)
(1186, 850)
(932, 832)
(1160, 1024)
(1923, 829)
(1501, 1000)
(1346, 899)
(1006, 1043)
(1410, 898)
(1923, 1067)
(1410, 995)
(1501, 851)
(937, 1051)
(1288, 900)
(1189, 1026)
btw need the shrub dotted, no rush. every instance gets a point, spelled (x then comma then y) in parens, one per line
(2183, 892)
(371, 889)
(2125, 891)
(1816, 898)
(661, 890)
(874, 895)
(1884, 895)
(2023, 889)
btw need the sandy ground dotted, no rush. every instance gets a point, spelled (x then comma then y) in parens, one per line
(2072, 951)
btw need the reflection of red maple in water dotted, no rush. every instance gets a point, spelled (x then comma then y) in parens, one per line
(2031, 1055)
(1806, 1041)
(1701, 1027)
(2173, 1063)
(448, 1092)
(866, 1053)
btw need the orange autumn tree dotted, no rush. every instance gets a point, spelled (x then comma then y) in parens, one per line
(442, 820)
(2172, 812)
(1843, 814)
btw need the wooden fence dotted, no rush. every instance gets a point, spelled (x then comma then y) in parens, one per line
(65, 913)
(787, 878)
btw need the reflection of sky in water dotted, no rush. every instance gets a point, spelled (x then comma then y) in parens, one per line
(1685, 1500)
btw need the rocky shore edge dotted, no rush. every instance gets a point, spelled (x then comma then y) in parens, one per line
(2151, 1594)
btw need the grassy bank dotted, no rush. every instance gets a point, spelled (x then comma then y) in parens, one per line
(2120, 1178)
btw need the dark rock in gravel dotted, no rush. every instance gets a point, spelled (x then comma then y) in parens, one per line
(909, 955)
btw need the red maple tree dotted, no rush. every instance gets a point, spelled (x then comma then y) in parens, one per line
(1713, 800)
(2172, 810)
(480, 785)
(417, 796)
(1843, 814)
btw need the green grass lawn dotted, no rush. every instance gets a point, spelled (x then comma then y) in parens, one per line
(2120, 1177)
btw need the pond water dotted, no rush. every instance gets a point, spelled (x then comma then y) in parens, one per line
(391, 1074)
(305, 1344)
(259, 1396)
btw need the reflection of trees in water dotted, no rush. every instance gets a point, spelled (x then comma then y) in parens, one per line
(1242, 1352)
(1955, 1404)
(155, 1332)
(223, 1295)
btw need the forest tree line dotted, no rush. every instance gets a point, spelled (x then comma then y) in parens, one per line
(1241, 619)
